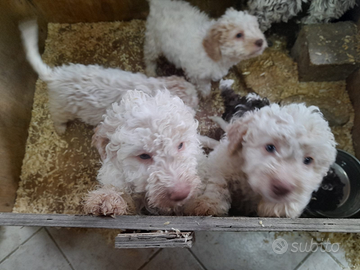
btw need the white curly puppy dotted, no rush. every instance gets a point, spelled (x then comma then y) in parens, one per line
(204, 48)
(269, 163)
(85, 92)
(149, 148)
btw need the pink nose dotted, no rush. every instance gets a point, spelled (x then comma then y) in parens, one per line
(280, 188)
(180, 192)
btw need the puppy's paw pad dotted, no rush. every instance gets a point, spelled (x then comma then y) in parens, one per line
(105, 203)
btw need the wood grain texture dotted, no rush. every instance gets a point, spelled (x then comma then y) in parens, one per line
(75, 11)
(352, 86)
(17, 85)
(153, 223)
(69, 11)
(155, 240)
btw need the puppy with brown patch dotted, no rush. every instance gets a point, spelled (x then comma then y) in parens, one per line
(204, 48)
(269, 162)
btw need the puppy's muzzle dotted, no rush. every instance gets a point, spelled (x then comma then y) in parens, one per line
(281, 188)
(180, 192)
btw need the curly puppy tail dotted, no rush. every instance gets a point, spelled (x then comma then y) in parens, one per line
(29, 35)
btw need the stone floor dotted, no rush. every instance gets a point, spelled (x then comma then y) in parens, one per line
(35, 248)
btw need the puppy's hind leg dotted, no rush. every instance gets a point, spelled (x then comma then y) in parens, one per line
(60, 128)
(151, 54)
(204, 86)
(60, 122)
(60, 119)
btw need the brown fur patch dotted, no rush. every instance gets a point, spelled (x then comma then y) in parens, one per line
(235, 134)
(235, 137)
(211, 43)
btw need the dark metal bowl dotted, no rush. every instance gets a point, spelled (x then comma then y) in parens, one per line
(347, 168)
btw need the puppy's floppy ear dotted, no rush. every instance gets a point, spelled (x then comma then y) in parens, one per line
(211, 42)
(100, 141)
(236, 132)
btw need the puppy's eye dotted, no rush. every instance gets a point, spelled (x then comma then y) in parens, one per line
(144, 156)
(308, 160)
(180, 146)
(270, 148)
(239, 35)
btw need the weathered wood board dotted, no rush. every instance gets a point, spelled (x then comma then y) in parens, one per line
(153, 223)
(162, 239)
(17, 85)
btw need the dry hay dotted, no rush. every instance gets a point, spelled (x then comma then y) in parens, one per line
(350, 242)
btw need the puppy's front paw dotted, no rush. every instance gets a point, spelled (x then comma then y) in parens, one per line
(105, 202)
(269, 209)
(203, 206)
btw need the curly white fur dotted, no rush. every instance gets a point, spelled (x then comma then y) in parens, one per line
(279, 183)
(274, 11)
(323, 11)
(320, 11)
(85, 92)
(150, 148)
(205, 49)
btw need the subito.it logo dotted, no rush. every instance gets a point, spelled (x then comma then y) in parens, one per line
(279, 246)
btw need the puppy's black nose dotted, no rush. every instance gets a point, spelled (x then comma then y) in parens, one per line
(259, 42)
(280, 190)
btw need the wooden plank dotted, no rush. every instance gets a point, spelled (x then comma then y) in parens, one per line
(352, 86)
(155, 240)
(153, 223)
(75, 11)
(17, 85)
